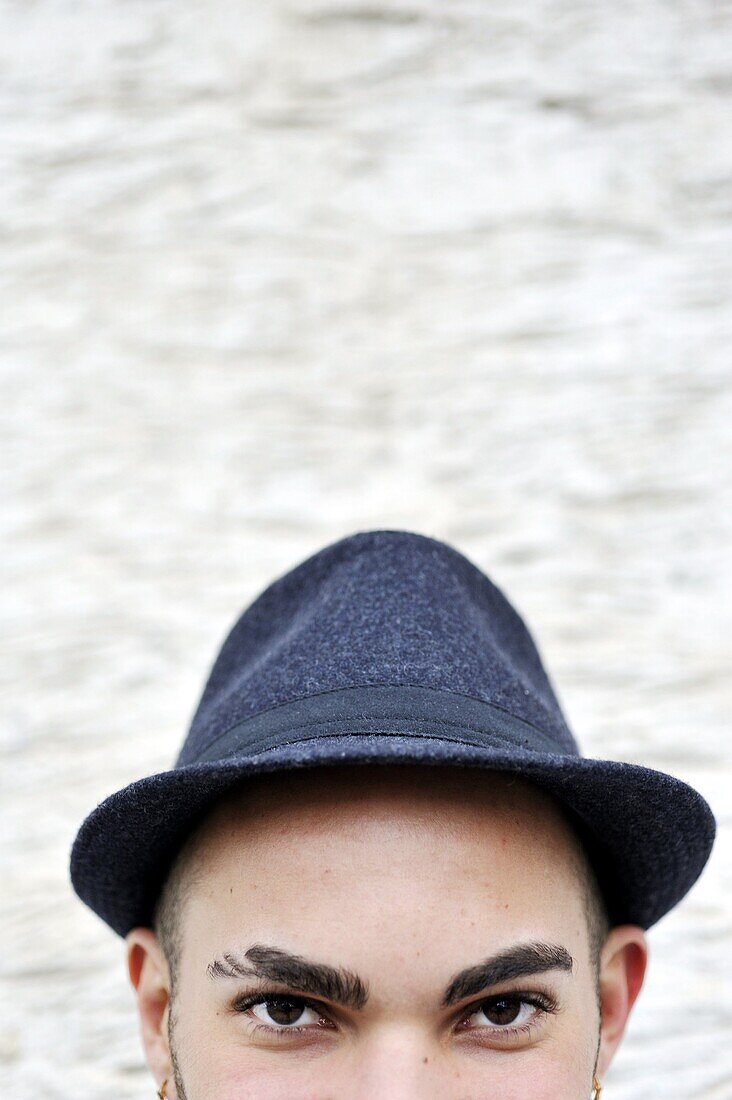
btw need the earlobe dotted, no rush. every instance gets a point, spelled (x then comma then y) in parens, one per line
(623, 966)
(148, 972)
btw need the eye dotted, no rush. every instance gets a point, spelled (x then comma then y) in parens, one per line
(285, 1012)
(510, 1012)
(282, 1014)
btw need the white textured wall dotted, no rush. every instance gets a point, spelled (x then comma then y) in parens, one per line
(272, 273)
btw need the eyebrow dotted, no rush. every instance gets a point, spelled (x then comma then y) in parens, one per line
(520, 961)
(261, 961)
(345, 988)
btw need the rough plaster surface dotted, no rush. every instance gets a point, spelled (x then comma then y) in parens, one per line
(277, 272)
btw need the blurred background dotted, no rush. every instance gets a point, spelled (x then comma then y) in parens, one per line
(275, 273)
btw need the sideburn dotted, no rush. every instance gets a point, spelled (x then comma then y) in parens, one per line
(180, 1090)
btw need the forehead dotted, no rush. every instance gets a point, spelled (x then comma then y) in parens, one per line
(344, 803)
(331, 856)
(352, 788)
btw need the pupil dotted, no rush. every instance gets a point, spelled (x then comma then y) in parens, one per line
(503, 1011)
(283, 1012)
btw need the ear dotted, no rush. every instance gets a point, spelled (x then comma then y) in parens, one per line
(623, 965)
(148, 970)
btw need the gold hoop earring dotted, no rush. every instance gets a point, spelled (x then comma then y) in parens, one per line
(596, 1089)
(161, 1091)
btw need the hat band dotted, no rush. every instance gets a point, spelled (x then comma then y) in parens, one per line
(381, 708)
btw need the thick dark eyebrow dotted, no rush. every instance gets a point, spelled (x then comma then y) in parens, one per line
(346, 988)
(260, 961)
(521, 961)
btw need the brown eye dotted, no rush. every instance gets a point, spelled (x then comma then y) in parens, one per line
(502, 1011)
(280, 1013)
(283, 1012)
(512, 1016)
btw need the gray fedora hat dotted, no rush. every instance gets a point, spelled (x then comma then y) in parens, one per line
(389, 646)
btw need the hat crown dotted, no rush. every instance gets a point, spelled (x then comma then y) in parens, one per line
(382, 607)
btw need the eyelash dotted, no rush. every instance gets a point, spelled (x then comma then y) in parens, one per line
(541, 1001)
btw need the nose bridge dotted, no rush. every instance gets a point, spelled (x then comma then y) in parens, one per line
(399, 1063)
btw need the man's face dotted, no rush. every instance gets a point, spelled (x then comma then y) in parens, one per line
(391, 932)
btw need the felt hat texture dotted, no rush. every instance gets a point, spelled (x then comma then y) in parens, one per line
(390, 646)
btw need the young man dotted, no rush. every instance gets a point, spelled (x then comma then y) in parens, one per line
(380, 866)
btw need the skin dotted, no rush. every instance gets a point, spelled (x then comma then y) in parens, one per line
(403, 876)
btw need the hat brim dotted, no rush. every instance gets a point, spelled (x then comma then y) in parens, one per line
(650, 833)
